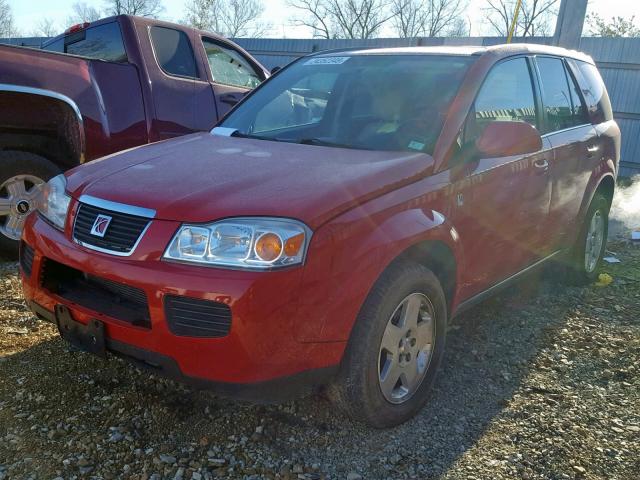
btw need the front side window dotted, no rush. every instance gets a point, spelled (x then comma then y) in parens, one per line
(562, 106)
(173, 52)
(506, 95)
(229, 67)
(102, 42)
(374, 102)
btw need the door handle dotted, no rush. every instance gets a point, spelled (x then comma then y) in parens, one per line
(541, 164)
(229, 99)
(592, 148)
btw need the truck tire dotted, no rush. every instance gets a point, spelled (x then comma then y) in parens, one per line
(586, 255)
(395, 348)
(20, 175)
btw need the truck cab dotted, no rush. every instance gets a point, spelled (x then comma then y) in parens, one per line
(103, 87)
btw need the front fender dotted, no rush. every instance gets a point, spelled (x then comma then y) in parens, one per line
(348, 255)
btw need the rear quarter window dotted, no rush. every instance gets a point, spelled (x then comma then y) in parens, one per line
(102, 42)
(594, 92)
(173, 52)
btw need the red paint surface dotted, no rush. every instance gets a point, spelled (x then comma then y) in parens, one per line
(496, 215)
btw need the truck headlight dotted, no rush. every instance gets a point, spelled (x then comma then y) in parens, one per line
(253, 243)
(54, 202)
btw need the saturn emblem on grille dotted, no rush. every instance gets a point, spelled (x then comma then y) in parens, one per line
(100, 225)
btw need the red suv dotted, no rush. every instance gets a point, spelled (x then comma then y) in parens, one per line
(325, 232)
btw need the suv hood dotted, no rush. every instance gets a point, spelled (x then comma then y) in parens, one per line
(202, 177)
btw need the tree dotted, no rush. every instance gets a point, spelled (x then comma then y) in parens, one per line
(614, 27)
(142, 8)
(534, 18)
(461, 27)
(343, 18)
(83, 13)
(7, 28)
(316, 16)
(232, 18)
(427, 18)
(46, 27)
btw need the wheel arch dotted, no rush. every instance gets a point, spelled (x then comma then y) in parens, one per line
(437, 256)
(426, 238)
(55, 131)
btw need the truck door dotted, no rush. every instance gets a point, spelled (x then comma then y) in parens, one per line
(232, 75)
(180, 90)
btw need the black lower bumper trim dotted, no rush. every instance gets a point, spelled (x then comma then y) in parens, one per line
(277, 390)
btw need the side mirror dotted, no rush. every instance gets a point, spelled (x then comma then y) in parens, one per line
(503, 139)
(275, 70)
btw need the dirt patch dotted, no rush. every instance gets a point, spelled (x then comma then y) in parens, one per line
(541, 382)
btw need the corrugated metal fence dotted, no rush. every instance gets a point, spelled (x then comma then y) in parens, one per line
(618, 60)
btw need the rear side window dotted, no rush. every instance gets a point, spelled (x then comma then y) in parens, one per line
(594, 92)
(102, 42)
(173, 52)
(562, 107)
(229, 67)
(506, 95)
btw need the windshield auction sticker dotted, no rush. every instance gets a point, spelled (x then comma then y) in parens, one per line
(326, 60)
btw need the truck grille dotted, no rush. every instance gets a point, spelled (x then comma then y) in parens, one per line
(121, 235)
(192, 317)
(117, 300)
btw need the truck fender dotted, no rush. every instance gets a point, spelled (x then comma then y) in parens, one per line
(73, 120)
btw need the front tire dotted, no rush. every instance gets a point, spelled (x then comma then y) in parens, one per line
(21, 173)
(395, 348)
(586, 256)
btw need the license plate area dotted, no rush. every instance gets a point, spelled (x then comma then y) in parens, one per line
(89, 337)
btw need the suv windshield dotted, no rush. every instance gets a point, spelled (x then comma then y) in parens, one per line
(374, 102)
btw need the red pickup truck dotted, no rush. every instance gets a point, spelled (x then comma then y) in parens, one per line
(103, 87)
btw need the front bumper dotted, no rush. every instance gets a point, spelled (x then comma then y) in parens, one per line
(259, 349)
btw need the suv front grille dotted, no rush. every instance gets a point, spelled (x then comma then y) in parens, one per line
(121, 235)
(193, 317)
(117, 300)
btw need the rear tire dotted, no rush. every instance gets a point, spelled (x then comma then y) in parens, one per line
(20, 173)
(400, 332)
(586, 255)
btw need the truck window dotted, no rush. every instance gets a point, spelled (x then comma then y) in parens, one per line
(561, 105)
(594, 91)
(102, 42)
(229, 67)
(173, 52)
(506, 95)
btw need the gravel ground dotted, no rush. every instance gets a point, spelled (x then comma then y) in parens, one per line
(541, 382)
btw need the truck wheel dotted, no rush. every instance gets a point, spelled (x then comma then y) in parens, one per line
(586, 256)
(395, 348)
(20, 175)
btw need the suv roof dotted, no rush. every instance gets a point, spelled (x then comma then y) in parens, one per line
(503, 50)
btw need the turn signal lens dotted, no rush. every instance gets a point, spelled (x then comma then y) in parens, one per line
(268, 247)
(293, 245)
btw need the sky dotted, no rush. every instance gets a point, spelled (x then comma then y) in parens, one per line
(27, 14)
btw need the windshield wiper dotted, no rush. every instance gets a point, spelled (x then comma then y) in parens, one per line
(239, 134)
(325, 143)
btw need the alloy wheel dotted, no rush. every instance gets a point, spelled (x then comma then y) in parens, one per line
(406, 348)
(18, 196)
(594, 241)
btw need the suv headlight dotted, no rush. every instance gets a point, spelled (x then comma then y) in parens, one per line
(54, 202)
(254, 243)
